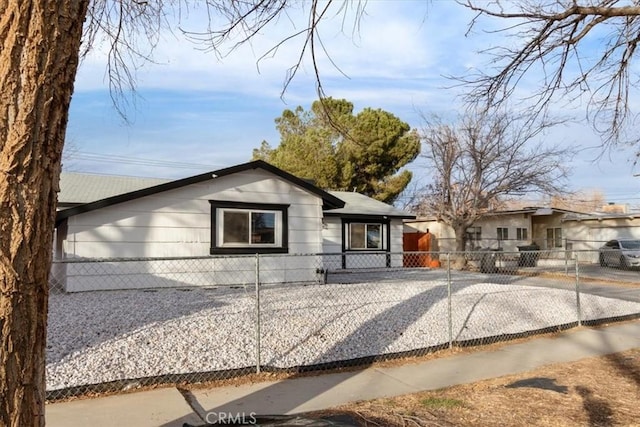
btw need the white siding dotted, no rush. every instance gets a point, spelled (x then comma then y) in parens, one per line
(395, 228)
(356, 260)
(332, 242)
(208, 271)
(177, 223)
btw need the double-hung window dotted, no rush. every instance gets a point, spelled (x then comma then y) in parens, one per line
(366, 242)
(248, 228)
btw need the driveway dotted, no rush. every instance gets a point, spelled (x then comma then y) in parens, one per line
(593, 279)
(610, 282)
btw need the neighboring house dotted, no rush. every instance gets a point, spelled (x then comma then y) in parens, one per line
(248, 209)
(502, 229)
(590, 232)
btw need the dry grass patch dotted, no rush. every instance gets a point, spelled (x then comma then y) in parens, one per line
(602, 391)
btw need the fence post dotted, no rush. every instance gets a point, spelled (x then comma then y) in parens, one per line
(579, 310)
(258, 362)
(449, 313)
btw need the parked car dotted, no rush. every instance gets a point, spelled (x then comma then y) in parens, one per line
(620, 253)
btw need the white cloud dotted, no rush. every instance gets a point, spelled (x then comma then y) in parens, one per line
(396, 61)
(392, 43)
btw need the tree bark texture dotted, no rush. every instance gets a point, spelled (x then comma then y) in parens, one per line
(460, 231)
(38, 63)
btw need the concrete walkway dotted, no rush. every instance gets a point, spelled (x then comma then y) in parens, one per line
(169, 407)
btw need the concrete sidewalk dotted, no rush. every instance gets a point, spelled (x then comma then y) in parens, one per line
(169, 407)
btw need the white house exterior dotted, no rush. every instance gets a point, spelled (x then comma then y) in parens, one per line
(249, 209)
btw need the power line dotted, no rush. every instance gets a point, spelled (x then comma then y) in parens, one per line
(128, 160)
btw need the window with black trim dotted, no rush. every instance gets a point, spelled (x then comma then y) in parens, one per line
(238, 227)
(365, 236)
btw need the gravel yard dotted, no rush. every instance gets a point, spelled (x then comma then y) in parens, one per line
(96, 337)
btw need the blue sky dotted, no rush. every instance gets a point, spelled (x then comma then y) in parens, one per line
(195, 112)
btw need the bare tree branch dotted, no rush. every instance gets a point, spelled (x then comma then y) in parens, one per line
(557, 39)
(132, 28)
(247, 18)
(482, 159)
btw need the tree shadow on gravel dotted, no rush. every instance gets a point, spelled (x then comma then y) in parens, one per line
(279, 397)
(396, 319)
(83, 320)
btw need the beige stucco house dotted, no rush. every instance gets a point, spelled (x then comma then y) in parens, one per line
(590, 232)
(504, 230)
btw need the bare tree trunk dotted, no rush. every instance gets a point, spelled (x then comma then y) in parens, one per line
(38, 63)
(461, 237)
(459, 259)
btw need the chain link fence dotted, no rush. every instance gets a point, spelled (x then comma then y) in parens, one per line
(125, 323)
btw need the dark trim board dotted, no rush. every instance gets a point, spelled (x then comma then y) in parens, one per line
(248, 251)
(366, 217)
(248, 205)
(282, 249)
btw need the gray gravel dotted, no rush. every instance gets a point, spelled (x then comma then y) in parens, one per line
(97, 337)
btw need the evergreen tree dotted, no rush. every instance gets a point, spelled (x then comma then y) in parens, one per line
(342, 151)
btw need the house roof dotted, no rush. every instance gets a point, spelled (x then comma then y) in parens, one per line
(134, 192)
(357, 204)
(79, 188)
(599, 216)
(534, 211)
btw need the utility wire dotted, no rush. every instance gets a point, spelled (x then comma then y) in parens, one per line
(113, 158)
